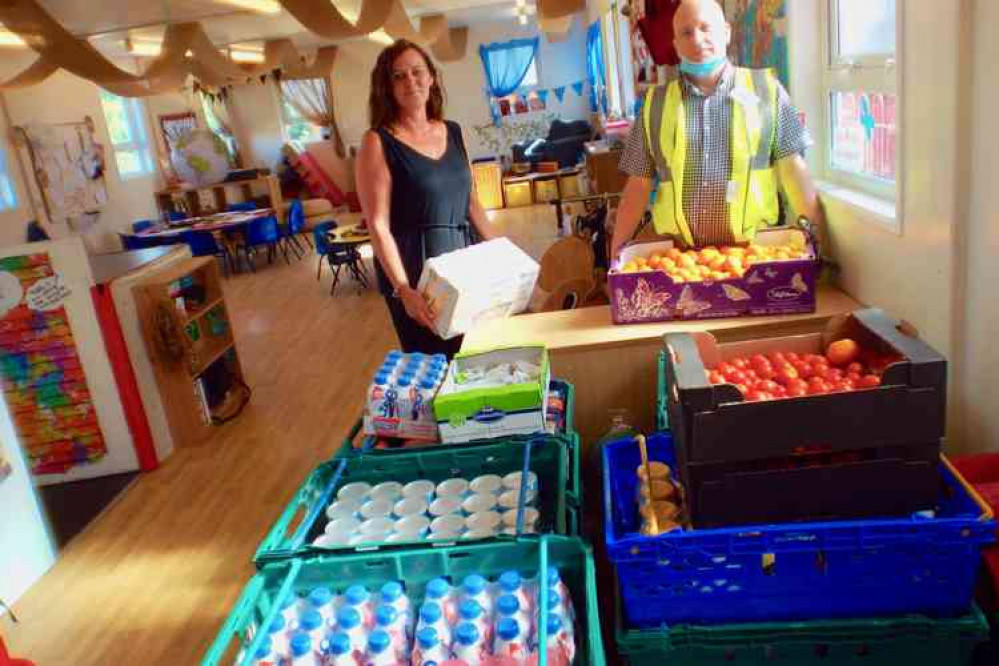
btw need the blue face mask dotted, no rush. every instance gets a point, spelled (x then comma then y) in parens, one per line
(701, 69)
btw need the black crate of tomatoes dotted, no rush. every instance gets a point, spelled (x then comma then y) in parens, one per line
(840, 424)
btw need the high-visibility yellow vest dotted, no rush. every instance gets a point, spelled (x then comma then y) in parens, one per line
(752, 190)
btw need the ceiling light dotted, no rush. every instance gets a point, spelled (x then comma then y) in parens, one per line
(262, 6)
(381, 37)
(8, 38)
(237, 55)
(523, 19)
(141, 47)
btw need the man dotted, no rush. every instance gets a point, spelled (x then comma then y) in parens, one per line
(718, 139)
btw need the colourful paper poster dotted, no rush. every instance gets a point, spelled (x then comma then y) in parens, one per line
(759, 35)
(43, 381)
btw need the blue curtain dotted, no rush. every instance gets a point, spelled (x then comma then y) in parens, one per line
(595, 66)
(506, 64)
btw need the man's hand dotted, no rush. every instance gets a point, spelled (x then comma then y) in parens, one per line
(630, 210)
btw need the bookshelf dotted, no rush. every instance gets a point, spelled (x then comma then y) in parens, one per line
(187, 331)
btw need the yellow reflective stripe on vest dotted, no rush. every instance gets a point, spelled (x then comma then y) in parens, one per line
(752, 199)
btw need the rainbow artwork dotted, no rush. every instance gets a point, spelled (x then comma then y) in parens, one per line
(43, 381)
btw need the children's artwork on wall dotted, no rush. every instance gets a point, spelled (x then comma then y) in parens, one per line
(68, 165)
(504, 105)
(520, 104)
(535, 102)
(759, 35)
(43, 381)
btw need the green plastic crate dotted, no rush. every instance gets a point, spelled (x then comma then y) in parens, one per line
(258, 604)
(549, 458)
(908, 640)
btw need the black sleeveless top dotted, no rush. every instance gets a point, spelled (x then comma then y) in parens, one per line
(429, 205)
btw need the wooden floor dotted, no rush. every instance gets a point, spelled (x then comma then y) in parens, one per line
(151, 580)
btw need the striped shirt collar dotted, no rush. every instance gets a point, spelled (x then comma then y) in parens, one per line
(724, 87)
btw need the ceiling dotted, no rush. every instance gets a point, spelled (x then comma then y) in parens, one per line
(108, 22)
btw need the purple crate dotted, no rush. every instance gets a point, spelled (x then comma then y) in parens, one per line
(785, 287)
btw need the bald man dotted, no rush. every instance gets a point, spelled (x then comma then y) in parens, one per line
(719, 139)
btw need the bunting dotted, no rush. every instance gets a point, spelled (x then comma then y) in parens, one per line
(559, 92)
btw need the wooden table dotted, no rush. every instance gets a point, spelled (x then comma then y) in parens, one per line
(613, 368)
(349, 234)
(216, 224)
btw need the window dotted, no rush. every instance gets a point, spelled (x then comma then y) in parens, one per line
(216, 127)
(860, 96)
(531, 78)
(127, 128)
(297, 128)
(8, 198)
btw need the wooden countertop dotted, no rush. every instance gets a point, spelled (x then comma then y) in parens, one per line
(108, 267)
(592, 327)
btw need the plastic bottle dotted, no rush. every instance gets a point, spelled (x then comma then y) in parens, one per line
(432, 616)
(302, 653)
(470, 611)
(348, 621)
(476, 587)
(312, 623)
(379, 651)
(468, 644)
(429, 650)
(560, 641)
(339, 651)
(511, 640)
(278, 634)
(357, 596)
(439, 590)
(265, 654)
(556, 583)
(321, 600)
(510, 582)
(290, 609)
(389, 620)
(393, 594)
(507, 605)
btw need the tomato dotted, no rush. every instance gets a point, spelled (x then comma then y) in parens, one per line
(716, 377)
(791, 357)
(832, 375)
(843, 352)
(724, 368)
(780, 392)
(840, 386)
(803, 368)
(787, 374)
(767, 386)
(757, 396)
(855, 368)
(849, 382)
(869, 381)
(817, 387)
(797, 391)
(777, 359)
(820, 368)
(736, 377)
(743, 389)
(739, 362)
(853, 377)
(758, 359)
(765, 372)
(797, 384)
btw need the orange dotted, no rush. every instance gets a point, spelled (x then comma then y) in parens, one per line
(655, 262)
(630, 267)
(668, 264)
(673, 253)
(733, 263)
(843, 352)
(718, 275)
(687, 261)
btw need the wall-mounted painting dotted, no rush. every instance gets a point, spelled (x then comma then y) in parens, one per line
(759, 35)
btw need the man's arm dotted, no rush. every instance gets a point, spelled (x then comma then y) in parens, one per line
(630, 210)
(796, 181)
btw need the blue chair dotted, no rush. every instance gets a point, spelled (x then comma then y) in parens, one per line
(242, 206)
(322, 243)
(142, 225)
(260, 232)
(176, 216)
(203, 244)
(293, 226)
(338, 256)
(133, 242)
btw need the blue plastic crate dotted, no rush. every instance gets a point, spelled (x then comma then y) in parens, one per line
(793, 571)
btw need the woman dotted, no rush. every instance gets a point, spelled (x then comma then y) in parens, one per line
(415, 188)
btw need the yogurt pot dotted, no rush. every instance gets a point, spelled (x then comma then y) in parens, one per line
(410, 506)
(511, 499)
(389, 490)
(363, 539)
(342, 528)
(512, 481)
(478, 502)
(423, 489)
(457, 487)
(415, 527)
(381, 525)
(531, 516)
(344, 508)
(376, 508)
(443, 506)
(356, 490)
(451, 524)
(487, 483)
(483, 520)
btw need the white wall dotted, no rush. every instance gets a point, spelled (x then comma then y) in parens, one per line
(66, 98)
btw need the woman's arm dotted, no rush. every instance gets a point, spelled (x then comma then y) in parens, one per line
(374, 189)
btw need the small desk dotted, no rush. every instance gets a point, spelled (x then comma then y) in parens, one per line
(108, 267)
(350, 237)
(348, 234)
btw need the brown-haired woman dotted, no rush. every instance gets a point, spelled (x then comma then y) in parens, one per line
(415, 188)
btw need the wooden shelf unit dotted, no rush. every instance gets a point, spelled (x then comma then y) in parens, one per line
(166, 200)
(183, 344)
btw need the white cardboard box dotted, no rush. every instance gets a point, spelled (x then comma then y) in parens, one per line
(487, 281)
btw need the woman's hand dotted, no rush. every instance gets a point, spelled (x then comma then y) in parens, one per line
(416, 306)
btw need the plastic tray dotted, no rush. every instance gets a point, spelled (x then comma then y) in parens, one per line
(549, 458)
(258, 604)
(793, 571)
(908, 640)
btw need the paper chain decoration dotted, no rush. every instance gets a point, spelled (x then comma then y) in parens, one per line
(58, 49)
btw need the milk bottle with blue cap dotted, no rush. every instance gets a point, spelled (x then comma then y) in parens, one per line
(439, 591)
(358, 597)
(312, 623)
(510, 582)
(388, 620)
(468, 644)
(321, 600)
(265, 655)
(476, 588)
(380, 651)
(430, 649)
(432, 616)
(348, 620)
(339, 651)
(470, 611)
(278, 634)
(392, 593)
(508, 605)
(511, 640)
(560, 641)
(302, 653)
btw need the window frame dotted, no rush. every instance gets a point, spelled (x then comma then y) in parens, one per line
(135, 117)
(871, 74)
(286, 124)
(8, 191)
